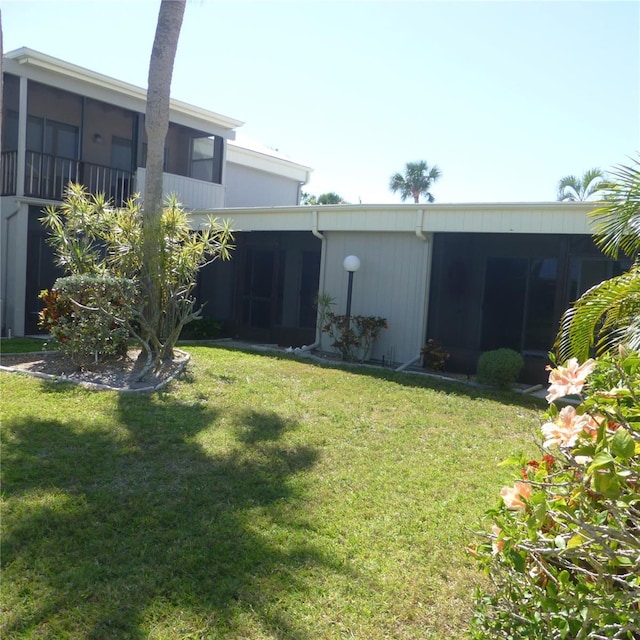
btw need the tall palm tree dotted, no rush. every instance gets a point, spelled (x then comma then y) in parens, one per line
(608, 314)
(163, 54)
(417, 181)
(575, 189)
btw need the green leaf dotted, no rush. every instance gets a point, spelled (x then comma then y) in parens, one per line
(517, 559)
(584, 450)
(601, 459)
(606, 483)
(622, 444)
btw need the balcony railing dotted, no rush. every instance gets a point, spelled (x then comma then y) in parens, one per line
(47, 176)
(9, 171)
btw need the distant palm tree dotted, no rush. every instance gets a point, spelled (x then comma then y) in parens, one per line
(331, 197)
(417, 181)
(575, 189)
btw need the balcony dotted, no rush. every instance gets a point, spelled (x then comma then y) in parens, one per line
(46, 177)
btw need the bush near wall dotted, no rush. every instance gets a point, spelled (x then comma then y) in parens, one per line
(85, 315)
(500, 367)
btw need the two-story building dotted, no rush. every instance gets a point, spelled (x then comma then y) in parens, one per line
(61, 122)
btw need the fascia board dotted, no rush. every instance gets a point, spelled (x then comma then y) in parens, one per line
(270, 164)
(504, 218)
(64, 75)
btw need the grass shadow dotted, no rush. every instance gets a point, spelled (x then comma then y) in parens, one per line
(108, 527)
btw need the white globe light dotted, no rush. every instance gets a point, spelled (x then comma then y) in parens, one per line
(351, 263)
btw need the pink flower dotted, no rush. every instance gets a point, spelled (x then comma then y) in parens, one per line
(564, 431)
(497, 545)
(513, 496)
(566, 381)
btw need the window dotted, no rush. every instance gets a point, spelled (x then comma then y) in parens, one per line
(587, 272)
(52, 137)
(121, 153)
(10, 133)
(206, 159)
(202, 156)
(519, 303)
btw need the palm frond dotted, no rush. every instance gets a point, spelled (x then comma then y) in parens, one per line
(605, 316)
(617, 223)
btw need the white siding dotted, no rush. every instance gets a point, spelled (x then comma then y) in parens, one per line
(391, 283)
(249, 187)
(14, 233)
(194, 194)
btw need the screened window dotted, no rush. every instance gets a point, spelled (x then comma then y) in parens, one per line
(202, 157)
(519, 303)
(206, 159)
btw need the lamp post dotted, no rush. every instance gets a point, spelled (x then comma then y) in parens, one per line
(351, 265)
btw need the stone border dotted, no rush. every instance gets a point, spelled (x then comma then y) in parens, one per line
(96, 386)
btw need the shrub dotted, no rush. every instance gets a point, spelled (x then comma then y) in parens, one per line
(201, 329)
(90, 236)
(86, 316)
(500, 367)
(434, 355)
(353, 336)
(564, 552)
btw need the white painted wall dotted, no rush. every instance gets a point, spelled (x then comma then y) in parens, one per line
(392, 283)
(193, 194)
(13, 235)
(250, 187)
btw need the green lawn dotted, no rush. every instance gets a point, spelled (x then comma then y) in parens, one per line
(262, 497)
(24, 345)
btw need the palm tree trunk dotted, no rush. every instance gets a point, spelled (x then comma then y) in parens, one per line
(163, 55)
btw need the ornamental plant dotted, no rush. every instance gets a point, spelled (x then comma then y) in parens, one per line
(500, 367)
(90, 236)
(434, 355)
(353, 336)
(563, 555)
(87, 316)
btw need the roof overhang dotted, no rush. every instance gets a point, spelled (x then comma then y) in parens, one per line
(507, 218)
(64, 75)
(274, 164)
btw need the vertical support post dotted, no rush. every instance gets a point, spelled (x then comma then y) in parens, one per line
(349, 292)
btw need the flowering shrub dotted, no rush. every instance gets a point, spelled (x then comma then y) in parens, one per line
(434, 355)
(86, 314)
(563, 554)
(353, 336)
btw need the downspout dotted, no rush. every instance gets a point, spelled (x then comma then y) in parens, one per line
(323, 250)
(420, 234)
(419, 222)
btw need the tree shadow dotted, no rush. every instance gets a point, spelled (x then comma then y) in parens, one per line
(108, 528)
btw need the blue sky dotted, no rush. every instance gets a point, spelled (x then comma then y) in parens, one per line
(505, 97)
